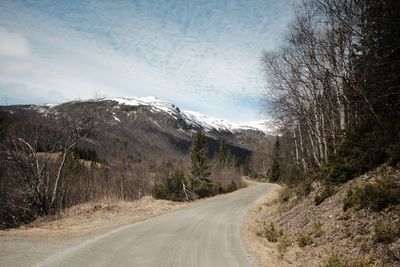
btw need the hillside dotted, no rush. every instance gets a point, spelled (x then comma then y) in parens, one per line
(338, 232)
(57, 156)
(137, 128)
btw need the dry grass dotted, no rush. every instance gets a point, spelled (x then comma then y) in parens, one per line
(351, 234)
(93, 218)
(264, 253)
(98, 217)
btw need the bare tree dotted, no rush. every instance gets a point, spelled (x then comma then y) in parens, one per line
(40, 150)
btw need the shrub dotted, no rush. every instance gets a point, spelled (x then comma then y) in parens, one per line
(335, 261)
(270, 232)
(394, 155)
(304, 188)
(285, 195)
(232, 186)
(86, 153)
(348, 200)
(383, 233)
(323, 194)
(304, 239)
(203, 188)
(317, 229)
(363, 262)
(172, 188)
(284, 242)
(376, 196)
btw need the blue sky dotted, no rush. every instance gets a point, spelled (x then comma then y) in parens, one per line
(200, 55)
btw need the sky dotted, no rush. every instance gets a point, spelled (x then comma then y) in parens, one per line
(201, 55)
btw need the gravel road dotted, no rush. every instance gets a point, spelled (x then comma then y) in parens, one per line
(204, 234)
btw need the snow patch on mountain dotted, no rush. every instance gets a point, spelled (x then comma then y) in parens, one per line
(195, 118)
(155, 103)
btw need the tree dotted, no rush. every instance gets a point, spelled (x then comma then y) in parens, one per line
(223, 154)
(334, 86)
(200, 170)
(38, 153)
(174, 187)
(275, 168)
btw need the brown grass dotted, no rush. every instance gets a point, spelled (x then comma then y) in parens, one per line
(94, 217)
(351, 234)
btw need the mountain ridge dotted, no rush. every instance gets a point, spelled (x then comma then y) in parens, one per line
(191, 117)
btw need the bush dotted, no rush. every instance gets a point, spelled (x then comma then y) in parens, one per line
(376, 196)
(303, 188)
(285, 195)
(232, 186)
(335, 261)
(317, 229)
(364, 147)
(270, 232)
(348, 200)
(304, 239)
(284, 242)
(172, 188)
(86, 153)
(203, 188)
(323, 194)
(394, 155)
(384, 233)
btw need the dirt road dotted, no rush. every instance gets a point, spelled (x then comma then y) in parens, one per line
(205, 234)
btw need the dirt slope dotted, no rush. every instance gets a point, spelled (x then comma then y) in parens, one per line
(326, 230)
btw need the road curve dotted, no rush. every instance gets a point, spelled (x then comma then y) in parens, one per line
(205, 234)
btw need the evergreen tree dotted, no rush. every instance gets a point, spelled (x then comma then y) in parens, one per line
(222, 154)
(275, 168)
(201, 184)
(247, 169)
(173, 188)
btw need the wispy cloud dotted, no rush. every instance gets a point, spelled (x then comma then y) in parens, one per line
(203, 56)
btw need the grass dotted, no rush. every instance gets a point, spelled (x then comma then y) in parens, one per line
(304, 239)
(335, 260)
(284, 242)
(269, 232)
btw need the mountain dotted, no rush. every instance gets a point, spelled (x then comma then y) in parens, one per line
(193, 118)
(147, 128)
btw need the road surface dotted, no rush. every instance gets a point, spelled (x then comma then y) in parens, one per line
(205, 234)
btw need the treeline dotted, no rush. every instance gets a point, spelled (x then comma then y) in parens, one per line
(202, 178)
(334, 87)
(48, 162)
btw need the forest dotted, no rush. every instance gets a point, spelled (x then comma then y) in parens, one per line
(334, 89)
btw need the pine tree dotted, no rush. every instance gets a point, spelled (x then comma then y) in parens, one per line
(222, 154)
(247, 169)
(200, 171)
(275, 168)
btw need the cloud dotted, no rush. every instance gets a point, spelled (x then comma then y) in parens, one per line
(13, 45)
(204, 57)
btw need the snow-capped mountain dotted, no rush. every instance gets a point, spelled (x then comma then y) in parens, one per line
(147, 128)
(194, 118)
